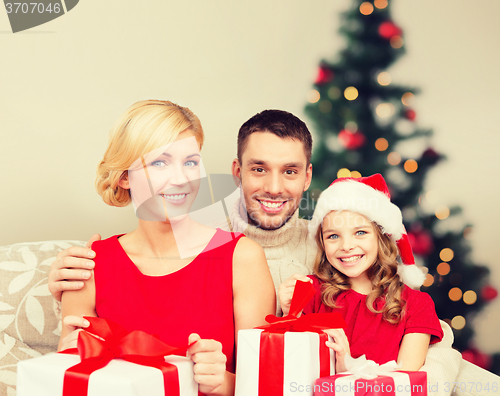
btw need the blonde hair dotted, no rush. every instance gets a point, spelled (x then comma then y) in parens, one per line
(386, 284)
(143, 127)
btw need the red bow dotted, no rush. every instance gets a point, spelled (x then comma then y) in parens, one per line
(316, 323)
(115, 342)
(272, 342)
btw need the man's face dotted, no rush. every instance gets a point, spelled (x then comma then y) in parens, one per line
(273, 174)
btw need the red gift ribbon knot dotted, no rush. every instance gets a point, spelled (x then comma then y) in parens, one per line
(272, 340)
(104, 341)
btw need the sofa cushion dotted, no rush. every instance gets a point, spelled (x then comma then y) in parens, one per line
(29, 325)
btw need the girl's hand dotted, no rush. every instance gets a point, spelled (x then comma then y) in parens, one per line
(285, 291)
(209, 363)
(340, 345)
(73, 325)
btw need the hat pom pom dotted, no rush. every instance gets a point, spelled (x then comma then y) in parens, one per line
(411, 275)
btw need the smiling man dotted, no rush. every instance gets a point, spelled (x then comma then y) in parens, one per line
(274, 169)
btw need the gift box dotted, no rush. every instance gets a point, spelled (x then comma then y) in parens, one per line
(109, 360)
(273, 359)
(44, 376)
(396, 383)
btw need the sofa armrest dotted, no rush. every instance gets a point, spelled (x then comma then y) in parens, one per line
(29, 325)
(442, 364)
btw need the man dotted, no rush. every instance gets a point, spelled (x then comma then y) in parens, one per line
(274, 169)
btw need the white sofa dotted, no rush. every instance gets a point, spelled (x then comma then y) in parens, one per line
(29, 324)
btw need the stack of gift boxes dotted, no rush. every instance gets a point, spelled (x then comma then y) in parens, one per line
(286, 357)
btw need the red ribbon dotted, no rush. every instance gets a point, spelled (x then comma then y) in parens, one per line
(115, 342)
(272, 339)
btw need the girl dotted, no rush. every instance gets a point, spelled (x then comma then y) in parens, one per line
(360, 235)
(171, 276)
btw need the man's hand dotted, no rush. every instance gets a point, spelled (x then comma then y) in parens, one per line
(72, 266)
(285, 291)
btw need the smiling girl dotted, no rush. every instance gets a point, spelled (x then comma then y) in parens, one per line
(366, 271)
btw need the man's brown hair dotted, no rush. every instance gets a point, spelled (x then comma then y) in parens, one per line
(280, 123)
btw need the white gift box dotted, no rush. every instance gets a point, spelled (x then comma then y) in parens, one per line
(301, 362)
(44, 376)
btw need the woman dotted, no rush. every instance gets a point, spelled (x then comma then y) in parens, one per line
(171, 276)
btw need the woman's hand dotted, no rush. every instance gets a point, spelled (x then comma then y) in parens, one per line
(73, 325)
(285, 291)
(340, 345)
(209, 364)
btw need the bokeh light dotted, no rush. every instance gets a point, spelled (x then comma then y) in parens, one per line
(458, 322)
(384, 78)
(407, 98)
(394, 158)
(396, 42)
(351, 93)
(455, 294)
(351, 126)
(442, 212)
(446, 254)
(344, 172)
(443, 269)
(470, 297)
(366, 8)
(381, 144)
(411, 166)
(313, 96)
(334, 93)
(468, 232)
(380, 4)
(325, 106)
(355, 174)
(429, 280)
(385, 110)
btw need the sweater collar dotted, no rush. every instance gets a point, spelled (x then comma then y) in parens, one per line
(288, 234)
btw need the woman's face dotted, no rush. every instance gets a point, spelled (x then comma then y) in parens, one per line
(165, 181)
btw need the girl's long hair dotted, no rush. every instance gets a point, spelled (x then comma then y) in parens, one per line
(385, 297)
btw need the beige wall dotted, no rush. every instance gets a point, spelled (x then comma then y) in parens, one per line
(64, 83)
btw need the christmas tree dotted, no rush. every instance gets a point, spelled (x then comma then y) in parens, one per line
(362, 120)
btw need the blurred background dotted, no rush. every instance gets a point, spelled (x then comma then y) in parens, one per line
(64, 83)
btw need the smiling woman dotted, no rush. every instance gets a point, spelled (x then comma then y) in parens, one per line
(171, 269)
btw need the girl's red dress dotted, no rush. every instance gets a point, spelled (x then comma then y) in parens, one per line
(368, 333)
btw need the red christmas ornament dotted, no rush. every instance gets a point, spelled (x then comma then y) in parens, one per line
(421, 241)
(388, 30)
(431, 157)
(350, 140)
(430, 153)
(489, 293)
(478, 358)
(410, 114)
(324, 75)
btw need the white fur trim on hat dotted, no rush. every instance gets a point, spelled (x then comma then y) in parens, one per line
(411, 275)
(359, 198)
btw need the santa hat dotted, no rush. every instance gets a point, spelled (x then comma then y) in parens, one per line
(370, 197)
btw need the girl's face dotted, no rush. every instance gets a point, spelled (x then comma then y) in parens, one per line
(165, 182)
(351, 244)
